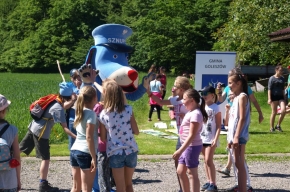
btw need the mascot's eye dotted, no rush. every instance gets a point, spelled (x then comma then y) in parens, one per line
(115, 56)
(127, 58)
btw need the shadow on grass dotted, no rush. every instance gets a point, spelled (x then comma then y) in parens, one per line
(261, 132)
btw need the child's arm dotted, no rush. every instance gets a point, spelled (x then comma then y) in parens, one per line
(134, 125)
(218, 123)
(70, 103)
(67, 131)
(243, 100)
(16, 155)
(103, 132)
(227, 114)
(91, 144)
(157, 99)
(192, 132)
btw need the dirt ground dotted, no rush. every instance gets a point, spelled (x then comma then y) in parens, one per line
(160, 176)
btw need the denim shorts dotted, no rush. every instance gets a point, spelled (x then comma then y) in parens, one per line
(242, 141)
(80, 159)
(119, 161)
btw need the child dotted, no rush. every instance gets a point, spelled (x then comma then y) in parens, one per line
(156, 89)
(276, 96)
(9, 179)
(191, 147)
(227, 168)
(39, 132)
(238, 126)
(75, 84)
(210, 136)
(83, 156)
(118, 125)
(163, 80)
(104, 172)
(181, 84)
(171, 107)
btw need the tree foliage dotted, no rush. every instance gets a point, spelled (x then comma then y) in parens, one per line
(35, 33)
(169, 32)
(250, 22)
(38, 32)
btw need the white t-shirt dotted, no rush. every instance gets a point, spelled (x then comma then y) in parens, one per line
(80, 144)
(119, 131)
(209, 128)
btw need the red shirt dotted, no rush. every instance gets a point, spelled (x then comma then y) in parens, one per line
(163, 80)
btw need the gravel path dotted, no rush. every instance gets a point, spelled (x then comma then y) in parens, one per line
(160, 176)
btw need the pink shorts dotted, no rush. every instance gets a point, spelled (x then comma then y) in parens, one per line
(157, 94)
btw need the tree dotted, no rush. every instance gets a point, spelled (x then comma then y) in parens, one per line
(250, 22)
(168, 32)
(39, 32)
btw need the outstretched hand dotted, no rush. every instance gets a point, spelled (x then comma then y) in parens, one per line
(87, 73)
(147, 79)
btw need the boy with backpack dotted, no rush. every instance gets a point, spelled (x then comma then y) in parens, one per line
(10, 167)
(39, 132)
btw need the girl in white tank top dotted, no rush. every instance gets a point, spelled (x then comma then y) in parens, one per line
(238, 127)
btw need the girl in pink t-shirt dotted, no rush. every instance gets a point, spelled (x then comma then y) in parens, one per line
(191, 143)
(181, 84)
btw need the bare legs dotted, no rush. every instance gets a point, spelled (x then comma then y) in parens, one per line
(44, 169)
(82, 179)
(274, 105)
(123, 179)
(209, 166)
(190, 181)
(239, 155)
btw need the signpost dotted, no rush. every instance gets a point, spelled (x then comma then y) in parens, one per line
(212, 67)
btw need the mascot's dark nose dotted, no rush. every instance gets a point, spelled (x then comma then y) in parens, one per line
(132, 74)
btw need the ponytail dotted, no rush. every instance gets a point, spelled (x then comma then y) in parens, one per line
(202, 109)
(79, 109)
(192, 93)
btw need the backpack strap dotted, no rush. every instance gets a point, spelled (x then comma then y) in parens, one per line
(4, 129)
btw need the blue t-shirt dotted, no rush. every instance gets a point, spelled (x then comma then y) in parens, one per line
(227, 92)
(155, 86)
(72, 109)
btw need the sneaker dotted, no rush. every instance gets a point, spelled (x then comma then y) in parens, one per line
(250, 189)
(272, 129)
(224, 171)
(279, 128)
(47, 187)
(205, 186)
(233, 189)
(149, 119)
(211, 188)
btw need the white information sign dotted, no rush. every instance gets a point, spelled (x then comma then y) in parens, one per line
(212, 67)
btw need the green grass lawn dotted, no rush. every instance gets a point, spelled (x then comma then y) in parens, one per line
(22, 89)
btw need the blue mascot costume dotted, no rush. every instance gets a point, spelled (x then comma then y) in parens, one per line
(109, 56)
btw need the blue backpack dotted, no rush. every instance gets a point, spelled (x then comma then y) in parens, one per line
(5, 151)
